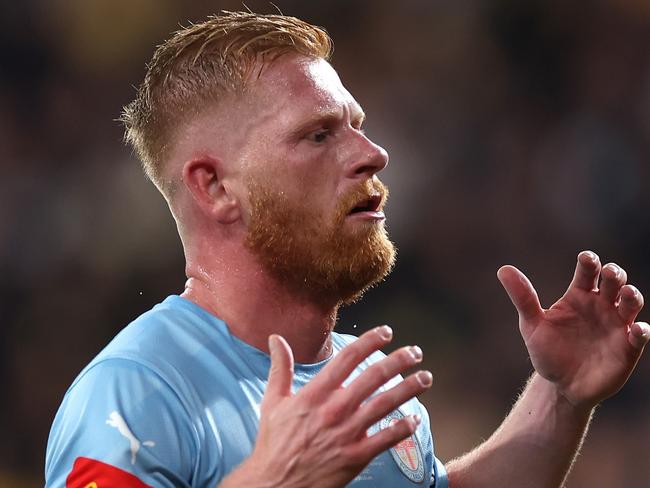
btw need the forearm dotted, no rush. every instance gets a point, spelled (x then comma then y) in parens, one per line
(534, 447)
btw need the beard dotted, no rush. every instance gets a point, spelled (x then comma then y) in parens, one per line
(315, 256)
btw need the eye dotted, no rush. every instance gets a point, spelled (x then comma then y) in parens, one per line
(319, 136)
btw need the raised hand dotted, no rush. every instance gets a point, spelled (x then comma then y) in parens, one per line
(317, 437)
(587, 343)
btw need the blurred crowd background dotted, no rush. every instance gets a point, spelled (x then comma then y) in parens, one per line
(519, 132)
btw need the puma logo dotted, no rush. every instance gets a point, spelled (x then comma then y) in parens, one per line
(116, 420)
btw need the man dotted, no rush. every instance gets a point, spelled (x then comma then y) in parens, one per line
(259, 150)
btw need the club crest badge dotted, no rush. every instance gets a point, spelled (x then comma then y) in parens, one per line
(407, 453)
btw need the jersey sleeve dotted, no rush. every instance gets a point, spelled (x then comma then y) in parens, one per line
(440, 479)
(121, 425)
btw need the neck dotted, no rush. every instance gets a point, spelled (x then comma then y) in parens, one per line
(236, 288)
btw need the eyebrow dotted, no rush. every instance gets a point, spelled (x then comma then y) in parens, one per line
(326, 116)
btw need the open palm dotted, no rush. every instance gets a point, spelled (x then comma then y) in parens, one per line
(587, 343)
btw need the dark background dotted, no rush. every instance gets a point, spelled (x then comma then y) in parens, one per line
(519, 132)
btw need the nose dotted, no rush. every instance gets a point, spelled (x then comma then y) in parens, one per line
(368, 159)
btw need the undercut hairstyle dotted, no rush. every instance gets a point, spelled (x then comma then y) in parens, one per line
(200, 65)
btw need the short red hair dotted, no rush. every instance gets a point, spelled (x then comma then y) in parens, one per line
(200, 64)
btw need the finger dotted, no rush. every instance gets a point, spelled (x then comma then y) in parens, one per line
(631, 303)
(381, 405)
(375, 444)
(613, 278)
(587, 271)
(378, 374)
(281, 372)
(639, 335)
(338, 369)
(521, 292)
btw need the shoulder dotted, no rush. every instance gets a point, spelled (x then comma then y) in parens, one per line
(174, 323)
(141, 387)
(164, 339)
(106, 418)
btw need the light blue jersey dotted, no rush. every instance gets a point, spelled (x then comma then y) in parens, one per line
(174, 401)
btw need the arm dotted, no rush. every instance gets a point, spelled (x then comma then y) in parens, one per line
(318, 437)
(535, 446)
(583, 349)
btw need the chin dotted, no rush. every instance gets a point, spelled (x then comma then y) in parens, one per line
(359, 277)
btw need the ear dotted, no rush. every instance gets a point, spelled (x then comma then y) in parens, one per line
(204, 179)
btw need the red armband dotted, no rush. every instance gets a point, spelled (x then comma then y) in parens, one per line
(89, 473)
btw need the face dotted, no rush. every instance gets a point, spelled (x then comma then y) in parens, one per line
(315, 204)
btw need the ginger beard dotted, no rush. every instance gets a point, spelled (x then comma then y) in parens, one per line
(317, 255)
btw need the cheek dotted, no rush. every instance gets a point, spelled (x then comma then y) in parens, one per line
(310, 178)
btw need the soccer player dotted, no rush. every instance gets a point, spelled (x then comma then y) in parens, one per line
(259, 150)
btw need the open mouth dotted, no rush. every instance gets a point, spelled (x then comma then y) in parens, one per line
(371, 204)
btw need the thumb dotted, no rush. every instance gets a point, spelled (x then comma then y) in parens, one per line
(281, 372)
(521, 292)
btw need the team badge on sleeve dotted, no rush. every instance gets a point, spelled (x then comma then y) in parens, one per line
(407, 453)
(90, 473)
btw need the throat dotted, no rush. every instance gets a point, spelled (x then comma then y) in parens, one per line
(256, 308)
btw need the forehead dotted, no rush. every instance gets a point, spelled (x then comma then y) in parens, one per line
(295, 85)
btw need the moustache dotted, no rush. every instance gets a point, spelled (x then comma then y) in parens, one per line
(369, 195)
